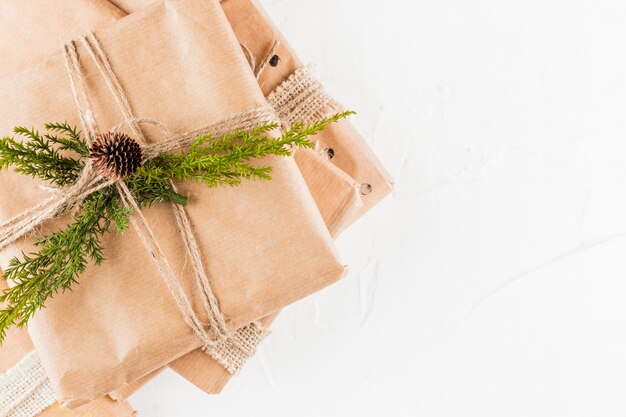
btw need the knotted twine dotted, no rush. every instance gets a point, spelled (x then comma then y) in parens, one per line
(215, 331)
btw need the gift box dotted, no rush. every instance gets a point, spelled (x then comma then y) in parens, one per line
(170, 59)
(25, 390)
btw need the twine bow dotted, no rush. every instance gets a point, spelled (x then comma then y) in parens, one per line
(215, 331)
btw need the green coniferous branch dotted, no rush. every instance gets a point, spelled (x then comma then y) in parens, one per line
(64, 255)
(38, 157)
(228, 160)
(61, 258)
(72, 140)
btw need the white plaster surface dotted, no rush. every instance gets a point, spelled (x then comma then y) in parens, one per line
(493, 281)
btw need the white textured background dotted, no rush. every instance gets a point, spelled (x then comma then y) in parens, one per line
(492, 282)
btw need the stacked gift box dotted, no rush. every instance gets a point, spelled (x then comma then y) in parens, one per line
(188, 66)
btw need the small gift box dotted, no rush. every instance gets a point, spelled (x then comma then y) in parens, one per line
(263, 243)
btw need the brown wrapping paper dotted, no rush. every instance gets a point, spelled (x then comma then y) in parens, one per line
(329, 191)
(131, 6)
(18, 344)
(333, 190)
(353, 161)
(107, 332)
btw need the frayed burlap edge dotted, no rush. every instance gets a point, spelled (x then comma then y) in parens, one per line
(25, 390)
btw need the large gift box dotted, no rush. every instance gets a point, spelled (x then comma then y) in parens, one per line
(264, 244)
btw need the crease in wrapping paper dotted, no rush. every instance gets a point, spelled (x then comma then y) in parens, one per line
(353, 160)
(116, 336)
(16, 347)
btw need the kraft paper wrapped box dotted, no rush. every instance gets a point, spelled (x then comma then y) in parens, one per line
(170, 59)
(36, 397)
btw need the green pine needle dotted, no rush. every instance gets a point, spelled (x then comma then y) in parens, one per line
(56, 156)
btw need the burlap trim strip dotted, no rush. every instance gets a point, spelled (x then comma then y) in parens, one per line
(301, 98)
(25, 390)
(235, 351)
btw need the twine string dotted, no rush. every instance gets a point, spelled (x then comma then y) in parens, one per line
(257, 68)
(217, 326)
(216, 330)
(89, 181)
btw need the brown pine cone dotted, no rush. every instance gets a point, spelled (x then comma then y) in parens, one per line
(115, 155)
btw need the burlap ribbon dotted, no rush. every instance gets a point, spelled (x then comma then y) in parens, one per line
(25, 391)
(301, 98)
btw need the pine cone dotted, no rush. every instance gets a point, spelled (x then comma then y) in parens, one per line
(115, 155)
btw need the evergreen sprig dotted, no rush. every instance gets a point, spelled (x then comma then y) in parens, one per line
(226, 161)
(43, 156)
(57, 156)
